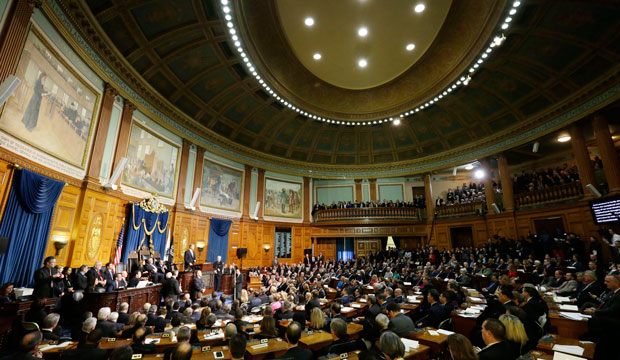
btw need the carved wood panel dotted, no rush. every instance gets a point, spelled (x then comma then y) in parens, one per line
(63, 221)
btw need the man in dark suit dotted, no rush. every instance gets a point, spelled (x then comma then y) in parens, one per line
(88, 350)
(108, 272)
(44, 279)
(115, 284)
(49, 324)
(436, 313)
(590, 290)
(138, 346)
(189, 258)
(604, 325)
(314, 302)
(123, 316)
(293, 333)
(198, 286)
(493, 334)
(95, 277)
(160, 322)
(171, 287)
(286, 312)
(108, 328)
(80, 280)
(218, 268)
(238, 283)
(399, 323)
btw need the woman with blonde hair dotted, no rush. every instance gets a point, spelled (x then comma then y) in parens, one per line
(317, 320)
(133, 318)
(515, 334)
(461, 348)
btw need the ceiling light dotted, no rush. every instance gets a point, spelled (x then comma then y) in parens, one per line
(410, 47)
(513, 11)
(479, 174)
(362, 32)
(516, 4)
(419, 8)
(504, 26)
(362, 63)
(466, 81)
(317, 56)
(469, 167)
(309, 21)
(564, 138)
(396, 122)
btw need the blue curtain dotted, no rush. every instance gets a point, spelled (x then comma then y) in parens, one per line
(218, 239)
(26, 222)
(144, 227)
(344, 249)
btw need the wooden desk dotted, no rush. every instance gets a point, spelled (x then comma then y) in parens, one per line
(275, 348)
(331, 293)
(316, 341)
(227, 284)
(463, 325)
(368, 290)
(135, 297)
(104, 344)
(55, 353)
(546, 347)
(421, 353)
(354, 330)
(198, 354)
(437, 343)
(567, 328)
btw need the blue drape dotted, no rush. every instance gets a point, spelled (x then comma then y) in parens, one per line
(145, 226)
(218, 239)
(344, 249)
(26, 222)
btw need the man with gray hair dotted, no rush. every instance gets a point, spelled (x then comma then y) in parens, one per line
(49, 324)
(603, 324)
(183, 336)
(382, 322)
(107, 327)
(391, 345)
(229, 331)
(95, 277)
(341, 343)
(123, 315)
(87, 326)
(140, 322)
(114, 319)
(590, 290)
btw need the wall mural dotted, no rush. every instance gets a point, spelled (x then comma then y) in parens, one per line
(222, 186)
(53, 108)
(153, 162)
(283, 198)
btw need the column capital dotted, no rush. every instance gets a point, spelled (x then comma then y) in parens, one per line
(110, 90)
(129, 106)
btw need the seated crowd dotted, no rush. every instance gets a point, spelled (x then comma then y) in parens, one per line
(544, 178)
(463, 195)
(511, 324)
(418, 202)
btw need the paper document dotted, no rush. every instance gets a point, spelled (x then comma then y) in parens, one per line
(410, 344)
(433, 333)
(50, 347)
(561, 356)
(406, 283)
(570, 349)
(346, 309)
(445, 332)
(569, 307)
(357, 306)
(561, 299)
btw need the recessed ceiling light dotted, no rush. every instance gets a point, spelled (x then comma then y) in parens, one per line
(479, 174)
(419, 8)
(410, 47)
(317, 56)
(396, 122)
(363, 31)
(309, 21)
(362, 63)
(469, 167)
(564, 138)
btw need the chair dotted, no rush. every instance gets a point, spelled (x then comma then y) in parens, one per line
(446, 324)
(30, 326)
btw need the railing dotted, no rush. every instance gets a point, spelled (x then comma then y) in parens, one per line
(472, 208)
(384, 213)
(552, 194)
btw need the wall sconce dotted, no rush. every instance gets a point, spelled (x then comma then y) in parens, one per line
(201, 246)
(60, 241)
(266, 247)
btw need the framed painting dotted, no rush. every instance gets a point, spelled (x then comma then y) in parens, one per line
(153, 162)
(222, 186)
(54, 107)
(283, 198)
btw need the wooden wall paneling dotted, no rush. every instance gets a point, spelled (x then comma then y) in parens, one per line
(306, 243)
(364, 246)
(201, 233)
(326, 246)
(62, 223)
(189, 228)
(269, 235)
(234, 239)
(252, 239)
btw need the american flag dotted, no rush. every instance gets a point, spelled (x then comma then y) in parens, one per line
(119, 246)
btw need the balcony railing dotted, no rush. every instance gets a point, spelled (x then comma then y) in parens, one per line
(374, 213)
(552, 194)
(472, 208)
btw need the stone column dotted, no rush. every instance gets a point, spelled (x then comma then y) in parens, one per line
(180, 198)
(428, 193)
(123, 135)
(488, 185)
(582, 158)
(609, 156)
(101, 133)
(12, 39)
(506, 179)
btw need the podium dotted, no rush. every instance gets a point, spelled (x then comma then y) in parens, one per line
(208, 276)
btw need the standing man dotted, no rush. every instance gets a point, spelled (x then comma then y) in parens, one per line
(44, 279)
(171, 287)
(95, 277)
(238, 284)
(108, 272)
(274, 263)
(218, 267)
(198, 286)
(189, 258)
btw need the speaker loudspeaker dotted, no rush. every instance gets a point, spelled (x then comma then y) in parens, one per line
(241, 252)
(4, 244)
(535, 147)
(593, 190)
(255, 215)
(7, 88)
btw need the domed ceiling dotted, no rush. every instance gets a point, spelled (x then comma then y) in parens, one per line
(559, 61)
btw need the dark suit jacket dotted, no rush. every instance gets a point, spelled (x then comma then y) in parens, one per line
(113, 286)
(170, 288)
(160, 324)
(605, 322)
(297, 353)
(197, 287)
(43, 283)
(435, 315)
(108, 328)
(88, 351)
(402, 325)
(311, 305)
(497, 351)
(49, 335)
(189, 258)
(80, 282)
(133, 282)
(107, 275)
(123, 318)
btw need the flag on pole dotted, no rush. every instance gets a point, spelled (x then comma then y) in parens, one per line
(119, 246)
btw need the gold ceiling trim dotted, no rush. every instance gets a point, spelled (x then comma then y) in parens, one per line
(466, 30)
(83, 20)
